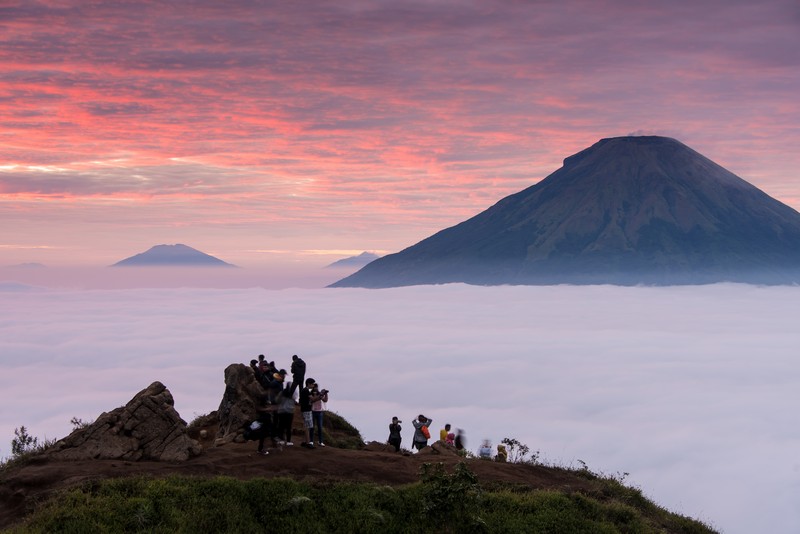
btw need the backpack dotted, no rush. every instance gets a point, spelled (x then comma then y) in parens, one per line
(425, 431)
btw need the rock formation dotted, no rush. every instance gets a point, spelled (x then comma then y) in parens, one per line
(147, 428)
(238, 405)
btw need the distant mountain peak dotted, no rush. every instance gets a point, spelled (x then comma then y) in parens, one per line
(177, 255)
(354, 261)
(627, 210)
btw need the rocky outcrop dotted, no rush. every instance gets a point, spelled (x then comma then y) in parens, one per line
(377, 446)
(147, 428)
(243, 394)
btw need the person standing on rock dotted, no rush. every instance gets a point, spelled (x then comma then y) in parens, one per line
(298, 371)
(422, 432)
(395, 438)
(317, 410)
(307, 399)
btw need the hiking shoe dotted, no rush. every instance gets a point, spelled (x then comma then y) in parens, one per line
(289, 443)
(263, 453)
(281, 442)
(321, 444)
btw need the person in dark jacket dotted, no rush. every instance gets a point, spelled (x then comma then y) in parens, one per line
(395, 438)
(307, 399)
(298, 371)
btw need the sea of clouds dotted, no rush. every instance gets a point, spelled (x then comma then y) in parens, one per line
(690, 390)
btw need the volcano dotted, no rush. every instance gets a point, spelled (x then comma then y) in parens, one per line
(172, 256)
(625, 211)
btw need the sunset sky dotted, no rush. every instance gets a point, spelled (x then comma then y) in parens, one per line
(266, 132)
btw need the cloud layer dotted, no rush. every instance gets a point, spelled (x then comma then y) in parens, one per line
(243, 123)
(691, 390)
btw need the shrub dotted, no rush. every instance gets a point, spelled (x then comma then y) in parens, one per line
(451, 501)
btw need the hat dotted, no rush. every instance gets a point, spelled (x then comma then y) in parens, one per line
(394, 418)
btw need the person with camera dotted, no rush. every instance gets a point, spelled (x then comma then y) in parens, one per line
(394, 434)
(307, 399)
(317, 410)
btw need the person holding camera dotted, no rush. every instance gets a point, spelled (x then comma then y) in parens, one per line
(394, 434)
(319, 398)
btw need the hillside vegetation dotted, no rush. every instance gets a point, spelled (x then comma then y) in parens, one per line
(344, 487)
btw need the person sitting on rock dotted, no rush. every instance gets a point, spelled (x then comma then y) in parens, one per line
(502, 453)
(485, 450)
(443, 433)
(450, 439)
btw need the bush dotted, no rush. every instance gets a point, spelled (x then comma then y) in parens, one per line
(451, 501)
(23, 443)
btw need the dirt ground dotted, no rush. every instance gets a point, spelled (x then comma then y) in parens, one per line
(21, 488)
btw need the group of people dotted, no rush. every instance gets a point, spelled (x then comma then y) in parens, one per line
(485, 451)
(455, 439)
(422, 434)
(276, 415)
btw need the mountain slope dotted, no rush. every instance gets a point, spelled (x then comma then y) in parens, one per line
(172, 255)
(626, 210)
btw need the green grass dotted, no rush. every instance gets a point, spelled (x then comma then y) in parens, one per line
(180, 504)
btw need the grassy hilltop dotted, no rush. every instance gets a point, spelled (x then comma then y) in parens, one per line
(344, 487)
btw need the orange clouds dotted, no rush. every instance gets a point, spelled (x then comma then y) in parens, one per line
(346, 121)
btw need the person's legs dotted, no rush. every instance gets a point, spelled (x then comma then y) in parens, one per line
(308, 424)
(288, 430)
(317, 418)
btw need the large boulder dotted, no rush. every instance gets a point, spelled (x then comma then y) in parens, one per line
(243, 396)
(147, 428)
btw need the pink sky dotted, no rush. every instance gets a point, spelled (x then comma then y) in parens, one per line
(278, 132)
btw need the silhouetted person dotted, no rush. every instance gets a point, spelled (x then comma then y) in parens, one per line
(395, 438)
(306, 401)
(460, 440)
(298, 371)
